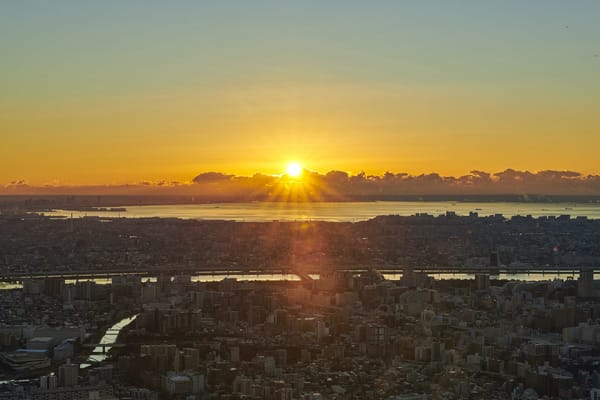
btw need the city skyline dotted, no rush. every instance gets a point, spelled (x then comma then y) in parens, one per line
(116, 93)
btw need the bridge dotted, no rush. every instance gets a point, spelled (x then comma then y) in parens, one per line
(152, 272)
(149, 272)
(103, 346)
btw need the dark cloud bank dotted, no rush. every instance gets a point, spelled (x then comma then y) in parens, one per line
(341, 186)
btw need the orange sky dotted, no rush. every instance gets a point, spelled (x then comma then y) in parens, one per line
(115, 93)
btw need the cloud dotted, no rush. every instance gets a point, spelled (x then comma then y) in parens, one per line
(211, 177)
(339, 186)
(336, 177)
(20, 182)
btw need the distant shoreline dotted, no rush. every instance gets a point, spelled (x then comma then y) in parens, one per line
(117, 203)
(333, 211)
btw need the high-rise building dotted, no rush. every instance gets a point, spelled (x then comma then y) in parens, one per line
(44, 382)
(68, 374)
(234, 354)
(482, 281)
(494, 259)
(585, 283)
(52, 381)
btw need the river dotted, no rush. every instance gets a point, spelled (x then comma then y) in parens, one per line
(260, 277)
(110, 336)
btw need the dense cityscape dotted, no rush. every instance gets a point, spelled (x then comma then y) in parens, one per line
(37, 245)
(118, 308)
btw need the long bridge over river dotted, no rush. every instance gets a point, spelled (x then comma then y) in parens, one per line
(152, 272)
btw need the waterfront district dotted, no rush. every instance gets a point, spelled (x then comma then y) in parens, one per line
(346, 335)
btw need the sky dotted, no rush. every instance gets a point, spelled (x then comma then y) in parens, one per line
(116, 92)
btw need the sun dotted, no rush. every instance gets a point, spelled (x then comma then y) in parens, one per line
(294, 169)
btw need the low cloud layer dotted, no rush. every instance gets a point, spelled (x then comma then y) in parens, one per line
(339, 186)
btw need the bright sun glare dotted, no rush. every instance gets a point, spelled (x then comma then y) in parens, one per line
(294, 169)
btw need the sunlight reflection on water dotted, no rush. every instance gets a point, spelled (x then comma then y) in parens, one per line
(340, 212)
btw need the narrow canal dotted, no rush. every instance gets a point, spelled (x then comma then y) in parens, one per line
(110, 336)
